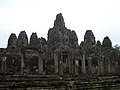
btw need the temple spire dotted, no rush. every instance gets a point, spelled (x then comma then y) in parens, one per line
(89, 38)
(59, 22)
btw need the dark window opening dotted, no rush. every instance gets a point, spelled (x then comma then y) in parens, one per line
(86, 62)
(13, 47)
(64, 58)
(80, 63)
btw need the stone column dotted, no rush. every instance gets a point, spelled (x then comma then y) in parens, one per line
(76, 67)
(100, 66)
(56, 63)
(61, 65)
(109, 66)
(22, 63)
(90, 65)
(71, 70)
(40, 62)
(61, 68)
(83, 65)
(3, 66)
(70, 66)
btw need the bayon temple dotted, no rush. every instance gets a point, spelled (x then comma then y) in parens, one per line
(60, 54)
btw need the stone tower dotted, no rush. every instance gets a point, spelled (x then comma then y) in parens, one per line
(22, 39)
(60, 35)
(12, 41)
(59, 22)
(106, 43)
(34, 40)
(89, 38)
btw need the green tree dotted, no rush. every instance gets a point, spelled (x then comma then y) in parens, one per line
(117, 47)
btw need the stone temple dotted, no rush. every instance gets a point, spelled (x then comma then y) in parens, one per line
(60, 54)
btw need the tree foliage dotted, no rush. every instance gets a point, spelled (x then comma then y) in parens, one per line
(117, 47)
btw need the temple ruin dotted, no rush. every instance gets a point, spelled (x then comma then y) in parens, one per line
(60, 54)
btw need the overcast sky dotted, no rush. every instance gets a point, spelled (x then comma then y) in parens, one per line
(100, 16)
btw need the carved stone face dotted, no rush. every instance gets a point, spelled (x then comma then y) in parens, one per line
(22, 39)
(59, 22)
(12, 40)
(60, 35)
(107, 42)
(89, 38)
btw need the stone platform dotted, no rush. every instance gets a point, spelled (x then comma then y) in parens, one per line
(65, 82)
